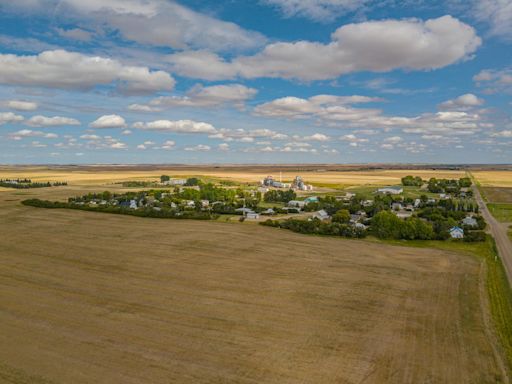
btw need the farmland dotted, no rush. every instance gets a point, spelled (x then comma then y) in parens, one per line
(89, 297)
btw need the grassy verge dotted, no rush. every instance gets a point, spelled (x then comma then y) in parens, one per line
(498, 287)
(501, 211)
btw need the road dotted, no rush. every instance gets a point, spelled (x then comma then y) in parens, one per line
(498, 231)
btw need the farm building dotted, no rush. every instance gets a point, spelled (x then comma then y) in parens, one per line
(470, 221)
(296, 203)
(395, 190)
(456, 233)
(321, 215)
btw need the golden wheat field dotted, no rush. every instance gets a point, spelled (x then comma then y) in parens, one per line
(494, 178)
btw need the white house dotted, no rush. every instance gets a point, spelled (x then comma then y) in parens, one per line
(133, 204)
(394, 190)
(417, 203)
(252, 215)
(321, 215)
(456, 233)
(470, 221)
(296, 203)
(269, 211)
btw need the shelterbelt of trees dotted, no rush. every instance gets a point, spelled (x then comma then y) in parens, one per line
(27, 183)
(163, 214)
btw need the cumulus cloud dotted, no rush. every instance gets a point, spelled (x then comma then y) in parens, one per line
(44, 121)
(18, 135)
(353, 139)
(178, 126)
(465, 101)
(108, 121)
(198, 148)
(21, 105)
(148, 22)
(9, 117)
(298, 108)
(377, 46)
(244, 135)
(448, 122)
(199, 96)
(224, 147)
(494, 81)
(71, 70)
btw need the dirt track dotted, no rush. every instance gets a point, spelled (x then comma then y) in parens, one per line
(98, 298)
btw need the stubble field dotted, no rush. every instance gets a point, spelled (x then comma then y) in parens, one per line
(90, 297)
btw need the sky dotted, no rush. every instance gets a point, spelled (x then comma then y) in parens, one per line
(262, 81)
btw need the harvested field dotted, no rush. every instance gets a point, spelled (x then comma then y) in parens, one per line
(498, 194)
(84, 175)
(88, 297)
(494, 178)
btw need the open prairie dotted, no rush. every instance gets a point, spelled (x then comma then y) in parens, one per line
(322, 175)
(97, 298)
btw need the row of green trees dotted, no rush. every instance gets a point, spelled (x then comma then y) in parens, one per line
(147, 212)
(27, 183)
(415, 181)
(317, 227)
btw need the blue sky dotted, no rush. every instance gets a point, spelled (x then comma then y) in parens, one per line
(268, 81)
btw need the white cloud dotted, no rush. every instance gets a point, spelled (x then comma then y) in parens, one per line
(240, 134)
(353, 139)
(18, 135)
(465, 101)
(118, 145)
(298, 108)
(75, 34)
(44, 121)
(339, 115)
(178, 126)
(168, 145)
(198, 148)
(71, 70)
(9, 117)
(498, 13)
(21, 105)
(215, 95)
(143, 108)
(318, 10)
(494, 80)
(108, 121)
(387, 146)
(38, 144)
(377, 46)
(148, 22)
(126, 132)
(504, 134)
(224, 147)
(393, 139)
(90, 137)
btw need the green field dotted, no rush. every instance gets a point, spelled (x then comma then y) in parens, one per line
(501, 211)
